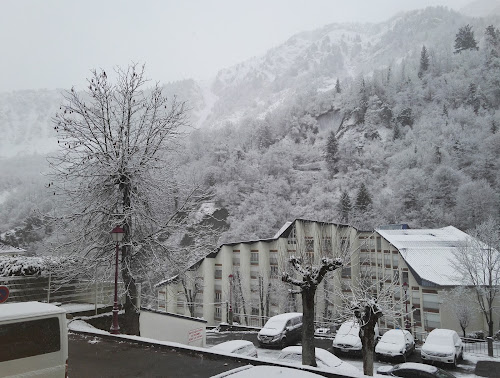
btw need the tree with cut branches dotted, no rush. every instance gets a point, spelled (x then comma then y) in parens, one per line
(477, 263)
(314, 258)
(116, 166)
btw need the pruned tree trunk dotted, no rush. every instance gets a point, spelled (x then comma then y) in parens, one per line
(367, 336)
(308, 351)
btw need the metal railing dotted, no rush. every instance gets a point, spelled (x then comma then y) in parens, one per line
(50, 290)
(480, 346)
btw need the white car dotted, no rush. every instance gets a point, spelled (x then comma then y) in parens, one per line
(395, 343)
(442, 345)
(241, 347)
(324, 359)
(347, 338)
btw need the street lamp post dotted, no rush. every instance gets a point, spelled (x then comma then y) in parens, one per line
(405, 288)
(117, 234)
(230, 300)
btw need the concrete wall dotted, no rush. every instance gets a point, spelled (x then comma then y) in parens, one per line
(172, 327)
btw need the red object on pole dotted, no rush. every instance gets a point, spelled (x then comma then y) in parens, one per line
(115, 327)
(230, 299)
(405, 287)
(117, 234)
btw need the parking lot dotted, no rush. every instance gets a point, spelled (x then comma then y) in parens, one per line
(464, 369)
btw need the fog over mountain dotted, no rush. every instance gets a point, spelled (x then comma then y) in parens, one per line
(422, 139)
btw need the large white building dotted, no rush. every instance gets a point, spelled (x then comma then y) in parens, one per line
(244, 278)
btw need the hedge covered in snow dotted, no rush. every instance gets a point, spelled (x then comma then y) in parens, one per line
(22, 266)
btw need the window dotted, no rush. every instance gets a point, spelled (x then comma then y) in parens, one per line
(29, 338)
(254, 257)
(255, 311)
(379, 244)
(346, 272)
(291, 237)
(309, 244)
(395, 278)
(327, 245)
(254, 274)
(274, 271)
(218, 313)
(218, 297)
(218, 274)
(431, 301)
(273, 258)
(236, 258)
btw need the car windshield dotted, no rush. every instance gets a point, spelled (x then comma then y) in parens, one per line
(348, 329)
(392, 338)
(439, 340)
(274, 324)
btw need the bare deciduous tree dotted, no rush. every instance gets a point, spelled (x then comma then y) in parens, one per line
(477, 262)
(116, 167)
(459, 302)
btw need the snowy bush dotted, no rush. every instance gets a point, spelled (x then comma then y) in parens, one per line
(21, 266)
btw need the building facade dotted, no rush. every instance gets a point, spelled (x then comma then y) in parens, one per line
(241, 281)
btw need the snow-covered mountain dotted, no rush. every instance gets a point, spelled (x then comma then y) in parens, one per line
(26, 116)
(315, 59)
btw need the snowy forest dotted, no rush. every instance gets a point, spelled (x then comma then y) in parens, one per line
(397, 122)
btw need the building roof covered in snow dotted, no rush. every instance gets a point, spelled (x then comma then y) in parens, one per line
(429, 253)
(8, 250)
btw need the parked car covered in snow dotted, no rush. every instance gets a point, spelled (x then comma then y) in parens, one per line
(395, 343)
(265, 371)
(347, 339)
(281, 330)
(242, 347)
(324, 359)
(413, 369)
(442, 345)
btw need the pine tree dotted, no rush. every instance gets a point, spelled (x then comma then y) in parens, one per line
(397, 132)
(424, 62)
(464, 40)
(345, 207)
(337, 86)
(331, 153)
(445, 110)
(473, 98)
(363, 198)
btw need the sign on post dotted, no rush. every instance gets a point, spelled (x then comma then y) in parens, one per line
(4, 293)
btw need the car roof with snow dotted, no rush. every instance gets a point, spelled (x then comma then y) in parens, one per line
(22, 310)
(229, 346)
(286, 316)
(417, 366)
(266, 371)
(442, 332)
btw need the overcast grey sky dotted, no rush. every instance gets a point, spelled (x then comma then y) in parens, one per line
(54, 43)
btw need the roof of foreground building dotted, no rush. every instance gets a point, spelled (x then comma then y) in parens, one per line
(429, 253)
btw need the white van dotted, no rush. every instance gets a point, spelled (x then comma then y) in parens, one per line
(33, 340)
(281, 330)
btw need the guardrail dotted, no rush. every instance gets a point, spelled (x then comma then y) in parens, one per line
(50, 290)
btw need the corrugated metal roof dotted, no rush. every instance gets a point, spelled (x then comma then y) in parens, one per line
(429, 252)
